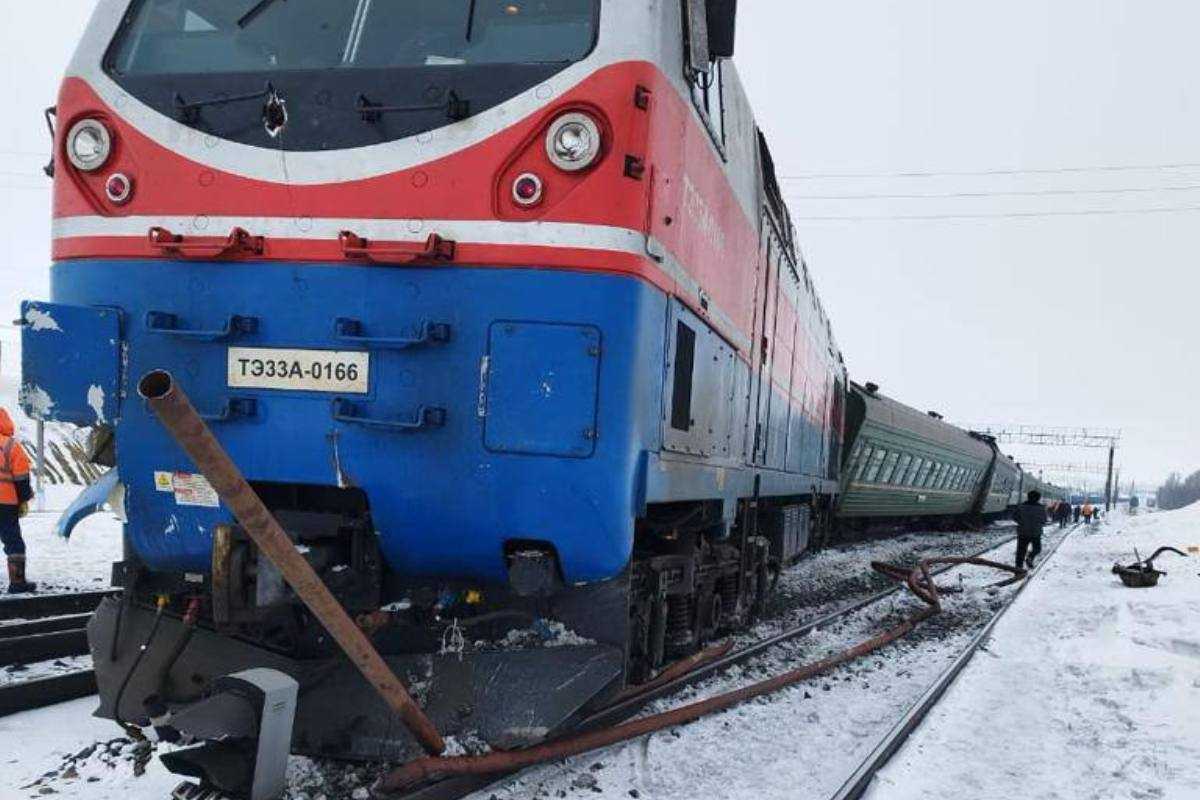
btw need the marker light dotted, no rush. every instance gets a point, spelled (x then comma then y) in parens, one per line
(89, 144)
(573, 143)
(118, 188)
(527, 190)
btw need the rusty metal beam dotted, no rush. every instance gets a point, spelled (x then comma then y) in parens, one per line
(919, 580)
(171, 405)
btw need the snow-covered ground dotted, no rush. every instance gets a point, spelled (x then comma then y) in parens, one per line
(1087, 691)
(83, 563)
(59, 566)
(834, 578)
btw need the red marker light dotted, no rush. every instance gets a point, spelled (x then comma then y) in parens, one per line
(118, 188)
(527, 190)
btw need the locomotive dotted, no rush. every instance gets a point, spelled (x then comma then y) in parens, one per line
(497, 306)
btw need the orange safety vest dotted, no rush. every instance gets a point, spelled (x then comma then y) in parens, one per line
(14, 466)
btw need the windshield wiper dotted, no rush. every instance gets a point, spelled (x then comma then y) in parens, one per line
(254, 12)
(190, 111)
(456, 108)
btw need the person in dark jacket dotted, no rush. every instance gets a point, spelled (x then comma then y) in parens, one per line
(1063, 514)
(1031, 520)
(1078, 511)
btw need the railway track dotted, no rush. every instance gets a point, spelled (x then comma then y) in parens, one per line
(628, 707)
(35, 607)
(44, 628)
(858, 783)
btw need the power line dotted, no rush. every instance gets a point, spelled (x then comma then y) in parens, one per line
(1012, 215)
(807, 176)
(1034, 193)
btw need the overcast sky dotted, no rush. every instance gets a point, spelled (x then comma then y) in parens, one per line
(1019, 306)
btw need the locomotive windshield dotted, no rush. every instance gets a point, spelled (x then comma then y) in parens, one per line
(205, 36)
(325, 56)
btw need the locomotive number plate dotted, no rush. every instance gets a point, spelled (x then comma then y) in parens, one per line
(299, 370)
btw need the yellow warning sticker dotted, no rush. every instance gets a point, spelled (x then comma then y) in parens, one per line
(164, 482)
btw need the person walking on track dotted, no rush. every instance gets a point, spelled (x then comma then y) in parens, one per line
(1088, 511)
(1031, 520)
(1063, 514)
(15, 493)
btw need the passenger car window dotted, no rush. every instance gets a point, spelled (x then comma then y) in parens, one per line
(861, 466)
(902, 469)
(876, 463)
(889, 466)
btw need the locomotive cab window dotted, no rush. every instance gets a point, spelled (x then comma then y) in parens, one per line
(190, 36)
(428, 64)
(704, 68)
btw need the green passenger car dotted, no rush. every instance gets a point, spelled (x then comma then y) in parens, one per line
(903, 465)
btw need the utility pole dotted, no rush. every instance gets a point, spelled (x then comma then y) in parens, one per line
(1108, 486)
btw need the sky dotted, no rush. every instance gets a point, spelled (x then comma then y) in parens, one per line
(1019, 299)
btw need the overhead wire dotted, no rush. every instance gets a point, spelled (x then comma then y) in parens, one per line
(1010, 193)
(1091, 212)
(991, 172)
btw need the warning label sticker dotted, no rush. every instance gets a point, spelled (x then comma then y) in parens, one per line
(189, 489)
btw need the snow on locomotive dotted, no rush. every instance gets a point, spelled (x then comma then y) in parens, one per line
(496, 304)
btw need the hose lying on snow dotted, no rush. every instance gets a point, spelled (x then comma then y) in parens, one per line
(918, 580)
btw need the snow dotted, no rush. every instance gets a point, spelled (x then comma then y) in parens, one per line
(1084, 691)
(1088, 689)
(804, 741)
(81, 563)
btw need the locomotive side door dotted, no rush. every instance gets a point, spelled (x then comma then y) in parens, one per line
(765, 343)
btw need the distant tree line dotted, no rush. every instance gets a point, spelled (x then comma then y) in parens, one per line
(1178, 492)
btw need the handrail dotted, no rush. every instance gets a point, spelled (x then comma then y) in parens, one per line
(164, 323)
(425, 418)
(350, 331)
(435, 248)
(238, 243)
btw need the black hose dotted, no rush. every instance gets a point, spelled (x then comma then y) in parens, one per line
(129, 727)
(164, 672)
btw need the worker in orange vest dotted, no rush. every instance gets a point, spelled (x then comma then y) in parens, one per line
(15, 493)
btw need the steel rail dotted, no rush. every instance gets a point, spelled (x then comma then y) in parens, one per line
(69, 622)
(52, 605)
(42, 692)
(459, 786)
(858, 783)
(43, 647)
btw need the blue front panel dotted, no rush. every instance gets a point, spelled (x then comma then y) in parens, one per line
(70, 363)
(548, 450)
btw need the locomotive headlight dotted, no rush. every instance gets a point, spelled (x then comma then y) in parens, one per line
(573, 143)
(89, 144)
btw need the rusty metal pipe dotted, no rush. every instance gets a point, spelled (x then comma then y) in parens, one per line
(425, 769)
(171, 405)
(422, 770)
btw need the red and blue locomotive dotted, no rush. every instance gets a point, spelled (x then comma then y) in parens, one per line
(496, 304)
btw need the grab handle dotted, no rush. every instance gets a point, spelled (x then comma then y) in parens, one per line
(166, 324)
(239, 242)
(426, 417)
(350, 331)
(435, 248)
(233, 409)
